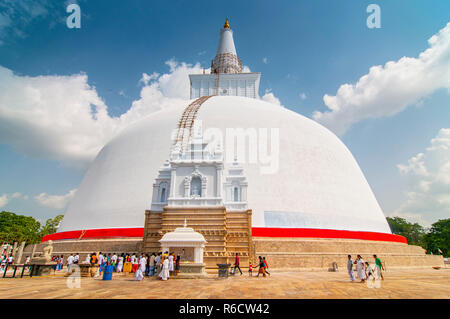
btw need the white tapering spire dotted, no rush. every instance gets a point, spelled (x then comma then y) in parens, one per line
(226, 60)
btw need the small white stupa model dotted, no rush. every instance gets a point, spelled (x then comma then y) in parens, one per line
(189, 245)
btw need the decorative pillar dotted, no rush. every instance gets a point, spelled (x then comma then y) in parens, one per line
(187, 186)
(14, 251)
(219, 180)
(20, 253)
(198, 255)
(204, 187)
(33, 251)
(173, 176)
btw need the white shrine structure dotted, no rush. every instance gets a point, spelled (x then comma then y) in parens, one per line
(226, 77)
(193, 185)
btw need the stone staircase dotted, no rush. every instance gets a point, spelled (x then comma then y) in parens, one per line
(226, 233)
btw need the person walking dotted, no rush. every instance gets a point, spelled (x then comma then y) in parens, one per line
(261, 265)
(171, 264)
(140, 271)
(177, 265)
(61, 262)
(266, 266)
(350, 268)
(360, 268)
(250, 268)
(237, 264)
(379, 266)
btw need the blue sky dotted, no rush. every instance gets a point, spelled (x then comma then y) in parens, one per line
(300, 47)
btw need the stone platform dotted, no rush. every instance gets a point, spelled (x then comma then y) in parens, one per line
(407, 283)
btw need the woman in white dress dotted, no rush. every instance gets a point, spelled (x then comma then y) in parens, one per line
(164, 274)
(120, 264)
(360, 268)
(171, 264)
(140, 271)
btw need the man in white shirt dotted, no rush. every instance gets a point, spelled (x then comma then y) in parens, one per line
(76, 258)
(69, 262)
(100, 262)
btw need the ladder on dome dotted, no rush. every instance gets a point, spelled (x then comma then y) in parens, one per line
(186, 122)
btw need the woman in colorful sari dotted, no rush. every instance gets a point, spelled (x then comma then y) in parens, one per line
(262, 267)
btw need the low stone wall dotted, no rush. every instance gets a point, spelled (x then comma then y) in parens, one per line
(319, 254)
(281, 253)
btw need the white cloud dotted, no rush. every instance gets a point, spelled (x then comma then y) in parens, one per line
(4, 199)
(389, 89)
(302, 96)
(145, 79)
(428, 195)
(63, 118)
(271, 98)
(415, 165)
(54, 201)
(264, 60)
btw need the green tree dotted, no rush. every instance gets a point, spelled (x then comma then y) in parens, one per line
(14, 227)
(414, 233)
(51, 225)
(439, 238)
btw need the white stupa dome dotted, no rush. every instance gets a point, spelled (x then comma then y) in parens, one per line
(318, 184)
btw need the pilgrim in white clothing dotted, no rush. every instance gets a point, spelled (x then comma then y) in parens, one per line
(165, 270)
(360, 269)
(140, 271)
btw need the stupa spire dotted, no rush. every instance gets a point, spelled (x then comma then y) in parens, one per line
(226, 60)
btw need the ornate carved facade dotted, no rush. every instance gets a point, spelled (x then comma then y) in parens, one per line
(192, 186)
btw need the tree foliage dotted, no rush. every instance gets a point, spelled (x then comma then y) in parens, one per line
(414, 233)
(19, 228)
(51, 225)
(15, 227)
(439, 238)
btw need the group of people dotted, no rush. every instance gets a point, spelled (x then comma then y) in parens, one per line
(162, 264)
(6, 260)
(262, 264)
(364, 270)
(73, 259)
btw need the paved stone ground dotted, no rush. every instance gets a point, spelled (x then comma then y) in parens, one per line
(406, 283)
